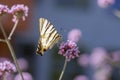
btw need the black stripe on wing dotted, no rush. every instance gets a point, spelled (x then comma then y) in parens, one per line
(54, 38)
(44, 25)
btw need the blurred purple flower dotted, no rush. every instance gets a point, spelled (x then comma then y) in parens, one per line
(23, 64)
(105, 3)
(74, 35)
(103, 73)
(7, 66)
(9, 76)
(116, 56)
(3, 9)
(98, 57)
(81, 77)
(26, 76)
(69, 49)
(83, 60)
(19, 11)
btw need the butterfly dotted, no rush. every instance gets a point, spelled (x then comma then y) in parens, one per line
(48, 36)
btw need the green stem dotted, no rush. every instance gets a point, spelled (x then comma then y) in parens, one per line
(13, 29)
(11, 50)
(2, 40)
(63, 70)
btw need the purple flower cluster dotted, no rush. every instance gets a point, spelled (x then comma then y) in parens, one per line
(69, 49)
(75, 35)
(18, 11)
(105, 3)
(26, 76)
(81, 77)
(7, 66)
(3, 9)
(23, 63)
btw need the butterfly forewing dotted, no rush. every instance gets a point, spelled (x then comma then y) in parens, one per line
(48, 36)
(55, 40)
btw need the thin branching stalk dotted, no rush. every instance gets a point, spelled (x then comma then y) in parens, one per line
(11, 50)
(63, 70)
(2, 40)
(13, 29)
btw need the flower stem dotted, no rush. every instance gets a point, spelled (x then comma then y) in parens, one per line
(13, 29)
(63, 70)
(2, 40)
(11, 50)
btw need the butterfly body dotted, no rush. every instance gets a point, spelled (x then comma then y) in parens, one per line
(48, 36)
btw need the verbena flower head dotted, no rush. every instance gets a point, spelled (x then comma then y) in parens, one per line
(7, 66)
(98, 57)
(116, 56)
(19, 11)
(69, 49)
(105, 3)
(81, 77)
(26, 76)
(83, 60)
(23, 63)
(103, 73)
(3, 9)
(74, 35)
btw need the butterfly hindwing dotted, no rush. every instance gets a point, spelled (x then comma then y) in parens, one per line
(48, 36)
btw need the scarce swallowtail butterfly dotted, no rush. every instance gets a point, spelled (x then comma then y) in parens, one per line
(48, 36)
